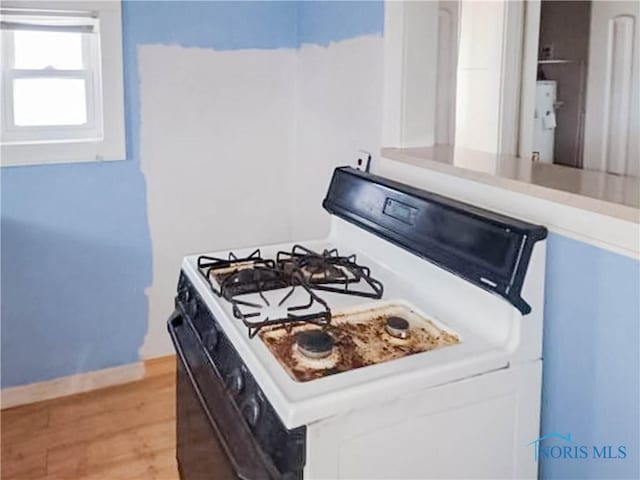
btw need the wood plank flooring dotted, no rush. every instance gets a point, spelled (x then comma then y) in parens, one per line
(117, 433)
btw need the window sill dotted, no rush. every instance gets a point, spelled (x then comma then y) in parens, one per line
(54, 153)
(598, 192)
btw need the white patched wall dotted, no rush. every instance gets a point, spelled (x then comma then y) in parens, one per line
(338, 112)
(238, 147)
(216, 136)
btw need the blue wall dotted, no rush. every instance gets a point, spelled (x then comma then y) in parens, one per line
(76, 257)
(325, 22)
(591, 385)
(76, 250)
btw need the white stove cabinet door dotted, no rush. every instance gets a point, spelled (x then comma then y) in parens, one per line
(474, 428)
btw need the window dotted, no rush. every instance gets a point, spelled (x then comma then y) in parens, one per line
(52, 76)
(62, 98)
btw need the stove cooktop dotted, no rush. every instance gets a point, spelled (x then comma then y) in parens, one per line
(296, 400)
(282, 300)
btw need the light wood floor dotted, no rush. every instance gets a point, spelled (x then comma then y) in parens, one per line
(117, 433)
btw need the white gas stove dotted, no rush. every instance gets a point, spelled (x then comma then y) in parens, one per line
(405, 345)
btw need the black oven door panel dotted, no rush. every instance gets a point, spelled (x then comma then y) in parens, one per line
(213, 440)
(199, 452)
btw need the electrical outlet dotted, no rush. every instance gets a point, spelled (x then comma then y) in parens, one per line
(363, 160)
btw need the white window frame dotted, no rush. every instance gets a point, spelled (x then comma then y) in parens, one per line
(103, 139)
(90, 72)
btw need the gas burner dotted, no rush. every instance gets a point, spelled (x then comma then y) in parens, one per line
(329, 271)
(314, 343)
(318, 270)
(236, 276)
(254, 279)
(299, 304)
(359, 338)
(397, 327)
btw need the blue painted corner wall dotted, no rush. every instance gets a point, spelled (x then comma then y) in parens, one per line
(322, 22)
(591, 374)
(75, 262)
(76, 248)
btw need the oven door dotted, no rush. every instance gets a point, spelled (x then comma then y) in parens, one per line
(213, 439)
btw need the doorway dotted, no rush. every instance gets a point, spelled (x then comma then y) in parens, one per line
(563, 55)
(583, 108)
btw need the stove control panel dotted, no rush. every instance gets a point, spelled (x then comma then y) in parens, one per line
(285, 447)
(485, 248)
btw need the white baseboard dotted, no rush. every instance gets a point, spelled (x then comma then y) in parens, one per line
(78, 383)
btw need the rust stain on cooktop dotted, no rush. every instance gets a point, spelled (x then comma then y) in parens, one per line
(360, 339)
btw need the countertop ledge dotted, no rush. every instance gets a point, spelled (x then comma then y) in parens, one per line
(598, 192)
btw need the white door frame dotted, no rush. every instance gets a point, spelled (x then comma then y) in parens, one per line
(410, 51)
(512, 76)
(531, 37)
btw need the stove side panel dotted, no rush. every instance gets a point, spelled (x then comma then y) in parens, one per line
(476, 428)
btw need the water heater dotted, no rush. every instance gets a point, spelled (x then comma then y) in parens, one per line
(545, 120)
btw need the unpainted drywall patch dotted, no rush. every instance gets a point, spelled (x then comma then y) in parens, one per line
(216, 136)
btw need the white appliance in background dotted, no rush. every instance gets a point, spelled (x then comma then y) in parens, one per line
(407, 344)
(545, 120)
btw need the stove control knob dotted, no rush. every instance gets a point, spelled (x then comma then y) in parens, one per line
(193, 307)
(251, 411)
(211, 339)
(235, 381)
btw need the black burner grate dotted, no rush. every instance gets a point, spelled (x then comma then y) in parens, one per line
(255, 315)
(330, 272)
(238, 275)
(297, 274)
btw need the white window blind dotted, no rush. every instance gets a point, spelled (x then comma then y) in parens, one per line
(48, 20)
